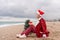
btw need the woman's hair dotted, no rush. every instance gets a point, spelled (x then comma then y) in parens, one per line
(27, 21)
(26, 24)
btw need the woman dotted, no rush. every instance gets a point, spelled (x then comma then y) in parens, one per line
(27, 24)
(29, 28)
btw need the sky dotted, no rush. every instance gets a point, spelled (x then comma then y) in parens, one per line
(28, 8)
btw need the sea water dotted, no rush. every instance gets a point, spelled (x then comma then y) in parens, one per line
(10, 23)
(4, 24)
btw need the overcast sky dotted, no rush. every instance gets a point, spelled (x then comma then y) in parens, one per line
(28, 8)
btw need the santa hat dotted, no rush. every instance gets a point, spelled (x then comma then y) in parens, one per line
(40, 12)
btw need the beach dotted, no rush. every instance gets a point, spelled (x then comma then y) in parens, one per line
(9, 33)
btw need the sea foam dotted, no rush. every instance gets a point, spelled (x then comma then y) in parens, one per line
(5, 25)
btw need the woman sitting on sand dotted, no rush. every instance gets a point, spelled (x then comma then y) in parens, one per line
(27, 25)
(40, 29)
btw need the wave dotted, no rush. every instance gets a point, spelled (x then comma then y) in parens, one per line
(5, 25)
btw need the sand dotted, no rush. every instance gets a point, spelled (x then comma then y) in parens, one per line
(9, 33)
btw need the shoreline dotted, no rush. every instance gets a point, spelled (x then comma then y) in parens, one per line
(6, 25)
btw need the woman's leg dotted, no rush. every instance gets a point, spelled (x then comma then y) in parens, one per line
(28, 30)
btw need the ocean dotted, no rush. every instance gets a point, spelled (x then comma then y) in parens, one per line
(4, 22)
